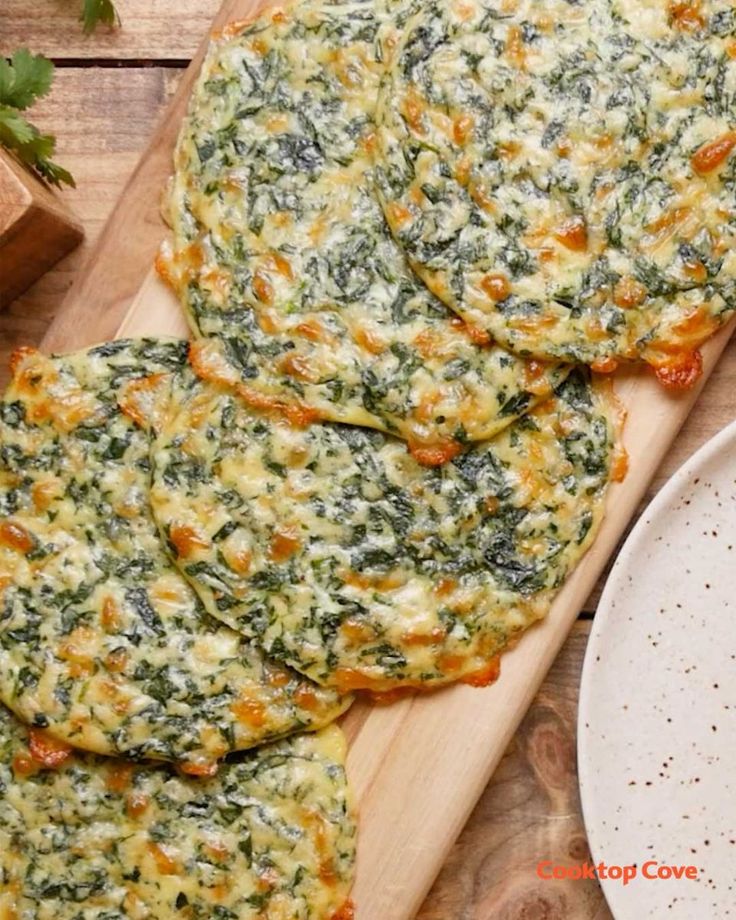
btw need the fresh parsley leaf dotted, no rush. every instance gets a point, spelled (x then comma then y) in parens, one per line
(53, 173)
(24, 78)
(96, 11)
(15, 131)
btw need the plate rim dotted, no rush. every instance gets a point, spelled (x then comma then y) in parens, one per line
(671, 488)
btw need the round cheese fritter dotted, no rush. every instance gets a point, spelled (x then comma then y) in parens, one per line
(272, 836)
(561, 174)
(361, 568)
(282, 256)
(101, 639)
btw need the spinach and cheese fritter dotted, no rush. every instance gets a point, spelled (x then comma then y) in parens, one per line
(561, 174)
(281, 254)
(271, 837)
(359, 567)
(102, 641)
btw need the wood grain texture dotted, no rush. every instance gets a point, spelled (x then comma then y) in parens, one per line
(530, 811)
(37, 229)
(128, 243)
(100, 135)
(151, 29)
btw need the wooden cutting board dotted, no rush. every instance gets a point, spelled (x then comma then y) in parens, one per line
(418, 766)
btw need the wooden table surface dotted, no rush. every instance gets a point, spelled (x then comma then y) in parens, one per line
(109, 92)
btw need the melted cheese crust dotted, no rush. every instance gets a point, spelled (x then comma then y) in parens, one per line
(561, 174)
(101, 639)
(272, 837)
(361, 568)
(281, 253)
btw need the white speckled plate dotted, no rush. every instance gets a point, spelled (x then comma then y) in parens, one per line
(657, 718)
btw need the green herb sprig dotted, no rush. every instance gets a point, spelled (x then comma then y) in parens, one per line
(24, 78)
(98, 11)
